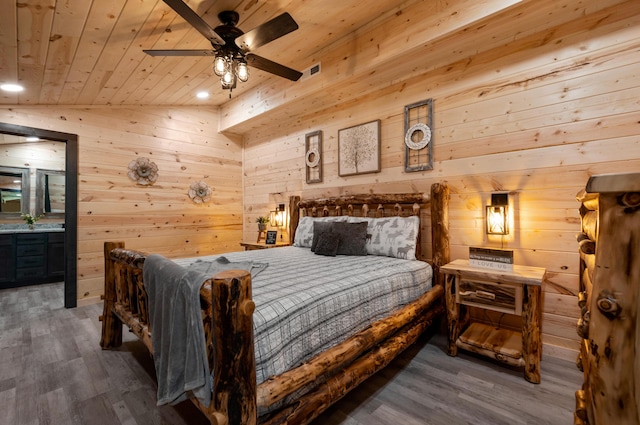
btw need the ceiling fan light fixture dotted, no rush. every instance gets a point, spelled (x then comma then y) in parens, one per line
(242, 71)
(231, 46)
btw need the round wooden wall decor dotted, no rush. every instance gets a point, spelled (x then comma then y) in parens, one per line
(199, 192)
(143, 171)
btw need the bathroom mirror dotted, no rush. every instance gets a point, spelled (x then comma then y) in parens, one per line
(14, 191)
(50, 192)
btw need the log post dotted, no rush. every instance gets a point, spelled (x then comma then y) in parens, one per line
(453, 313)
(234, 375)
(531, 333)
(614, 335)
(294, 216)
(111, 324)
(440, 230)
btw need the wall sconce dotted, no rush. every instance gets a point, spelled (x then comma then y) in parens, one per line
(498, 214)
(276, 218)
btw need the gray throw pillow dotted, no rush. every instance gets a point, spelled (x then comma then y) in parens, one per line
(319, 227)
(327, 244)
(353, 238)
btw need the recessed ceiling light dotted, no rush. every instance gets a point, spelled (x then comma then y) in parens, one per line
(11, 87)
(32, 139)
(202, 95)
(17, 181)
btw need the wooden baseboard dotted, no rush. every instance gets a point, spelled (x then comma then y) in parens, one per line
(88, 301)
(559, 352)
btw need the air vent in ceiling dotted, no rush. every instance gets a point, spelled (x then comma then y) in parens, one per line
(312, 71)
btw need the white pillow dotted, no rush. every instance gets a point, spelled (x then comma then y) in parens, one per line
(391, 236)
(304, 231)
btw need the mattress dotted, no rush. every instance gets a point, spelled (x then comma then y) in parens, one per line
(306, 303)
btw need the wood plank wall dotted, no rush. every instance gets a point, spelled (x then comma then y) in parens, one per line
(534, 116)
(185, 145)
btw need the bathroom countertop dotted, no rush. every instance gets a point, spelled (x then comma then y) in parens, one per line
(36, 230)
(23, 228)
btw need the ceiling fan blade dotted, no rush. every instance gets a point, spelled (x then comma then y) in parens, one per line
(267, 32)
(195, 20)
(272, 67)
(180, 52)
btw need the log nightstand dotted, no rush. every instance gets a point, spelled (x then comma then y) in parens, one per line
(250, 246)
(514, 292)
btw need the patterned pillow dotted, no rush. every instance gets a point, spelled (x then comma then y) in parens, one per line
(304, 232)
(391, 236)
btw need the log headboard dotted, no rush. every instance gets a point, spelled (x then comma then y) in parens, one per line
(383, 205)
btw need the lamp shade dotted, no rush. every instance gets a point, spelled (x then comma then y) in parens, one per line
(498, 214)
(242, 71)
(277, 217)
(497, 223)
(220, 66)
(228, 80)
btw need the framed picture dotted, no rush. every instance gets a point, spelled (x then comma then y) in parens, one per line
(313, 156)
(359, 149)
(418, 136)
(271, 237)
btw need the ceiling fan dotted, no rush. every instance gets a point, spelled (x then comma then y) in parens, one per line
(232, 47)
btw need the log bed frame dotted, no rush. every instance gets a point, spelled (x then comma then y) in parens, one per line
(229, 325)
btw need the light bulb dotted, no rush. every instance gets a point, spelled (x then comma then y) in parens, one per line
(228, 80)
(242, 71)
(220, 66)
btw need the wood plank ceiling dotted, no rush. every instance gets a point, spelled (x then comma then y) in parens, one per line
(89, 52)
(82, 52)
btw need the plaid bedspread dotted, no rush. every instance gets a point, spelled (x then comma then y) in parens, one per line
(306, 303)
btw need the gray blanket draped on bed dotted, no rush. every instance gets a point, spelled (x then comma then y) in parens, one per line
(177, 333)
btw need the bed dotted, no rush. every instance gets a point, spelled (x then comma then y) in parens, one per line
(304, 375)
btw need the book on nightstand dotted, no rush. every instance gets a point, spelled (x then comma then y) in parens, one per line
(490, 258)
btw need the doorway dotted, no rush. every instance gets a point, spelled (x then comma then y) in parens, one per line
(71, 199)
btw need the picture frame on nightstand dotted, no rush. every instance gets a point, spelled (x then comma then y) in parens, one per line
(272, 237)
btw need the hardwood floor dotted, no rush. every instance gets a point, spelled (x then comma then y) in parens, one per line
(52, 371)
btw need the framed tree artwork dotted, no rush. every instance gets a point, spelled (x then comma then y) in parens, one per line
(359, 149)
(418, 137)
(313, 156)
